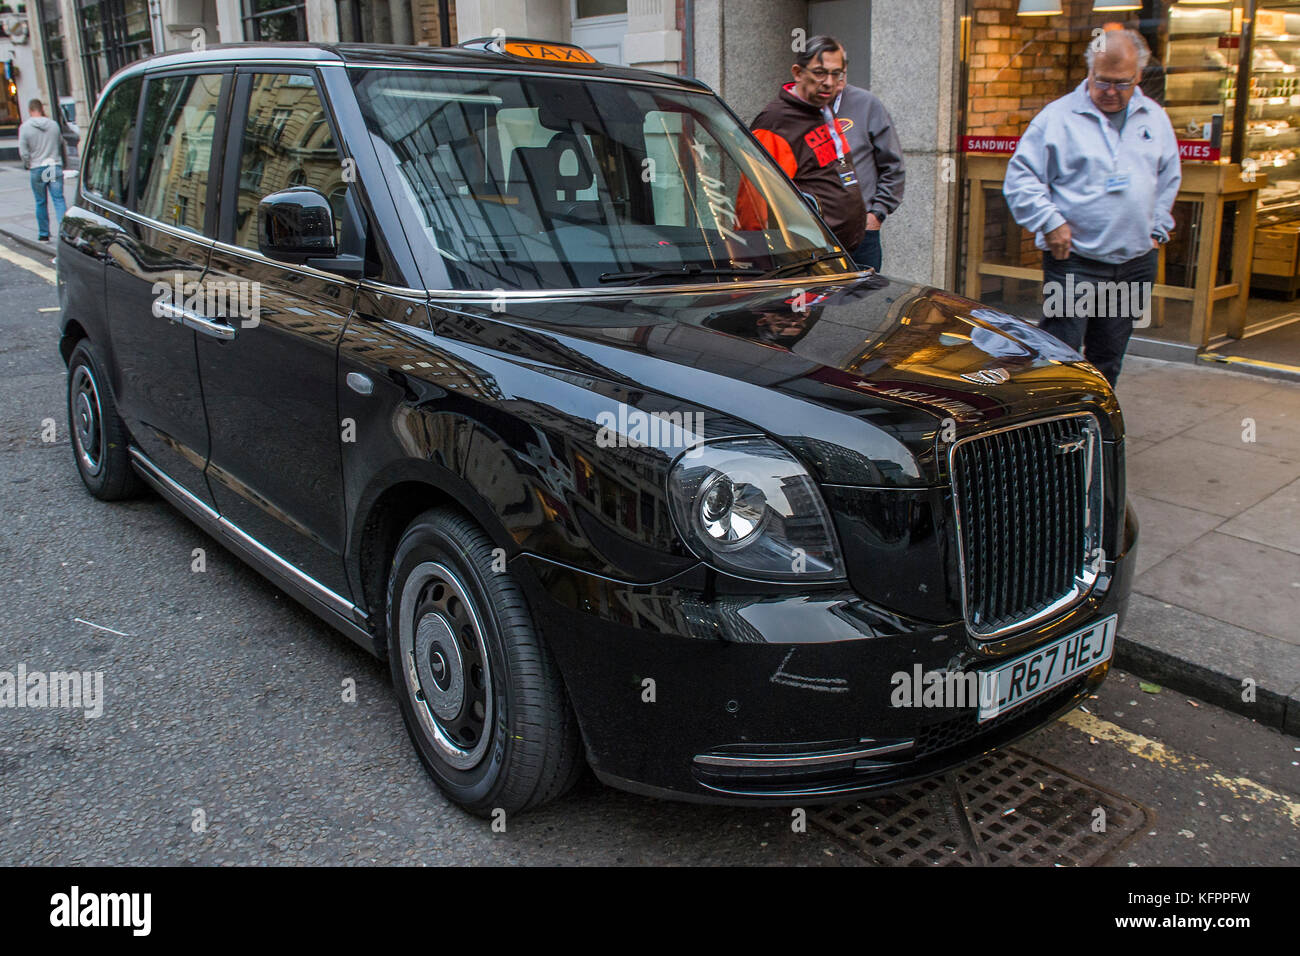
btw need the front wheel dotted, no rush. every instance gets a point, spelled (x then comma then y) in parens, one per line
(481, 697)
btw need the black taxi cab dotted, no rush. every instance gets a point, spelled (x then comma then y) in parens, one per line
(538, 378)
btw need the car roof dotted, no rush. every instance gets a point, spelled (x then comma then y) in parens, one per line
(473, 55)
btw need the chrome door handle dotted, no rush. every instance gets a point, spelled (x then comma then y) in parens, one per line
(199, 323)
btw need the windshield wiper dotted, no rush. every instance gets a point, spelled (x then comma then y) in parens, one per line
(821, 257)
(686, 272)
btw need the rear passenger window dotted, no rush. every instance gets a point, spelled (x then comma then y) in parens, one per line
(180, 113)
(287, 142)
(107, 165)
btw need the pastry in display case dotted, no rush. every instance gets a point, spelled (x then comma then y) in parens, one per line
(1273, 146)
(1200, 67)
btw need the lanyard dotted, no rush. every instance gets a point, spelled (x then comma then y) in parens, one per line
(834, 130)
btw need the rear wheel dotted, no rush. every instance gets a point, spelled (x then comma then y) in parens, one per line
(99, 439)
(482, 699)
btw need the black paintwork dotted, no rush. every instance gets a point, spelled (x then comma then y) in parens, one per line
(494, 410)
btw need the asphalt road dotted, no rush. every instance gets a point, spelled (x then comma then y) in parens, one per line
(224, 704)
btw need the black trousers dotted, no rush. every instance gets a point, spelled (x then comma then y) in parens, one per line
(1079, 296)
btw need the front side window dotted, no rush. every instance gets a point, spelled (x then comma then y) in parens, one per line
(107, 166)
(287, 142)
(541, 183)
(180, 114)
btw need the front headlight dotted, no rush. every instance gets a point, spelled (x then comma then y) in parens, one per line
(747, 506)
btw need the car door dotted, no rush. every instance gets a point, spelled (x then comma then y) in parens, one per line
(269, 386)
(154, 265)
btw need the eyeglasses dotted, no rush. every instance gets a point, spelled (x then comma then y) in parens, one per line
(836, 75)
(1107, 87)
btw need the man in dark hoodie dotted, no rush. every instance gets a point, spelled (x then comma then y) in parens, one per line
(799, 129)
(40, 146)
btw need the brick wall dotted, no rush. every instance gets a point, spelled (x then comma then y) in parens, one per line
(1017, 66)
(1020, 64)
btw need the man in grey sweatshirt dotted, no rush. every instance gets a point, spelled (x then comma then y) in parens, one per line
(40, 145)
(878, 159)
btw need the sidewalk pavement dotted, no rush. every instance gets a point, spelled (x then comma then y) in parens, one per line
(1214, 474)
(18, 207)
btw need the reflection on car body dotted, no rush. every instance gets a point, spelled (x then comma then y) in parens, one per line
(611, 474)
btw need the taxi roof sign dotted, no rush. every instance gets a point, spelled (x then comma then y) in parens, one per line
(542, 50)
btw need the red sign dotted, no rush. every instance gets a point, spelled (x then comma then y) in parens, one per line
(1229, 43)
(1189, 150)
(998, 145)
(1197, 150)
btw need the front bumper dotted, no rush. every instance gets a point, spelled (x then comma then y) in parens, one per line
(685, 691)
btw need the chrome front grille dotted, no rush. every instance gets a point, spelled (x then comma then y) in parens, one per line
(1028, 502)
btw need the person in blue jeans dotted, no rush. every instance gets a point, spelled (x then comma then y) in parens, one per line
(40, 146)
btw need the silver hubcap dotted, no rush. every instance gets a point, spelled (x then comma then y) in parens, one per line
(445, 661)
(87, 421)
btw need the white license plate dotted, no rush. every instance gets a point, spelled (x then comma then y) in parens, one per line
(1046, 667)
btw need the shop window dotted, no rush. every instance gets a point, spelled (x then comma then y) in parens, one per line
(10, 114)
(56, 60)
(275, 21)
(113, 34)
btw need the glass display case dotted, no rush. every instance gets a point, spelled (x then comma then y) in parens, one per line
(1200, 66)
(1200, 71)
(1273, 133)
(1273, 146)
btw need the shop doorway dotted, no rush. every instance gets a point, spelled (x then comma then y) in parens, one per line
(1229, 282)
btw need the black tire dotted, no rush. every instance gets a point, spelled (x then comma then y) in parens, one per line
(496, 737)
(99, 439)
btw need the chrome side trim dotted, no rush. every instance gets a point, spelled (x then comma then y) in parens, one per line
(1094, 485)
(191, 502)
(253, 254)
(803, 760)
(107, 206)
(309, 586)
(336, 602)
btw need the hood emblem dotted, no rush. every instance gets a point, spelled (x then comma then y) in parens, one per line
(988, 376)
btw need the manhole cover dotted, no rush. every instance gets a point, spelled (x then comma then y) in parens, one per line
(1005, 809)
(921, 826)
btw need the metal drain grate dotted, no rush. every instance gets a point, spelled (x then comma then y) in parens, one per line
(962, 819)
(918, 827)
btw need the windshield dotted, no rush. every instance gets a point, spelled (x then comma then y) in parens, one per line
(529, 182)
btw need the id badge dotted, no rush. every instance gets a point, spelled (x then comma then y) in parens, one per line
(1117, 182)
(848, 176)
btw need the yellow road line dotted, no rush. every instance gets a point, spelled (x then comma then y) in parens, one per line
(1239, 360)
(1158, 753)
(31, 265)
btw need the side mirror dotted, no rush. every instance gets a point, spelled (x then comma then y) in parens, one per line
(811, 200)
(295, 225)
